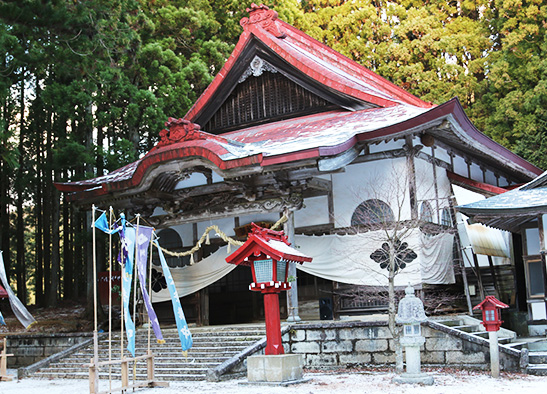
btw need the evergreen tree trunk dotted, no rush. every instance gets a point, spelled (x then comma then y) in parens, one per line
(20, 185)
(39, 282)
(68, 263)
(47, 186)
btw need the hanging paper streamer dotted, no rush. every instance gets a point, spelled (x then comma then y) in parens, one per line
(143, 241)
(22, 314)
(127, 237)
(182, 327)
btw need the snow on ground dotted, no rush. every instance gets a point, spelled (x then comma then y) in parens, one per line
(446, 382)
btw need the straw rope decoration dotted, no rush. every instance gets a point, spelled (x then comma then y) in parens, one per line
(221, 234)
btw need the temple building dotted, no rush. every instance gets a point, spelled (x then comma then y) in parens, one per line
(290, 126)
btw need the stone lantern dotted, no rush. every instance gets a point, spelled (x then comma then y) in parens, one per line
(411, 314)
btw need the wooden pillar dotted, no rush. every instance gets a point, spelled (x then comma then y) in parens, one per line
(411, 177)
(274, 344)
(542, 251)
(292, 294)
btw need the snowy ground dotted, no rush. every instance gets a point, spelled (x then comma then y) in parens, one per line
(446, 382)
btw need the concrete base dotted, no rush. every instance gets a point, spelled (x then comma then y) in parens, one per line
(421, 378)
(275, 368)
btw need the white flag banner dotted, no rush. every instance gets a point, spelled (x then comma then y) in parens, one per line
(22, 314)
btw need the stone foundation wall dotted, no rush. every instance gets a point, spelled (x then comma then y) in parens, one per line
(28, 349)
(349, 344)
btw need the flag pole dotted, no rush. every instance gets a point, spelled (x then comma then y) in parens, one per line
(110, 299)
(150, 288)
(135, 269)
(95, 332)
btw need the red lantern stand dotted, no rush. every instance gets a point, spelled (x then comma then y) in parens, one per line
(491, 320)
(268, 253)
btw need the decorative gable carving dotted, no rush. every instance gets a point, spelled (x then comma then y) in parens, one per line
(263, 17)
(179, 130)
(257, 68)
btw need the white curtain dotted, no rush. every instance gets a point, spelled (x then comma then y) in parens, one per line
(341, 258)
(346, 258)
(195, 277)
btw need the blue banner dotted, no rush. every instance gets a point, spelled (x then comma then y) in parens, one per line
(102, 224)
(2, 321)
(185, 335)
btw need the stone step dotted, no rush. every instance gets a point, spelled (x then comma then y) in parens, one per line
(117, 377)
(469, 328)
(484, 334)
(537, 369)
(169, 352)
(538, 357)
(212, 346)
(450, 323)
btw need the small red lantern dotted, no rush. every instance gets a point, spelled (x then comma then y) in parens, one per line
(268, 253)
(491, 316)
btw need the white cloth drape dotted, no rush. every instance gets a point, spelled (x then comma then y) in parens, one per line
(344, 259)
(484, 240)
(195, 277)
(22, 314)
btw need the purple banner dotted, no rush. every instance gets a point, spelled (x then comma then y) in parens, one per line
(144, 235)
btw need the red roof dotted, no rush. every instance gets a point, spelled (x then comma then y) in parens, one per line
(491, 300)
(311, 57)
(3, 292)
(269, 242)
(391, 112)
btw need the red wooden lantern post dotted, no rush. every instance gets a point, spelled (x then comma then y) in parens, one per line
(268, 253)
(491, 320)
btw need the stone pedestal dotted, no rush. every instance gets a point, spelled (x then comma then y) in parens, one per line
(413, 372)
(280, 368)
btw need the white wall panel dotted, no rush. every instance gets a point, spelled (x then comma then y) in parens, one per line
(382, 179)
(314, 212)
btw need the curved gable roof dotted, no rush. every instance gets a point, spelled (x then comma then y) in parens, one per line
(304, 60)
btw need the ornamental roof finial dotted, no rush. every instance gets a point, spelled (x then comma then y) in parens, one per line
(262, 16)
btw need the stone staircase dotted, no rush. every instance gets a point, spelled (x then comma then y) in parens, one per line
(538, 363)
(473, 327)
(211, 347)
(536, 346)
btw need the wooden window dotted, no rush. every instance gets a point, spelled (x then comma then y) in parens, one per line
(372, 212)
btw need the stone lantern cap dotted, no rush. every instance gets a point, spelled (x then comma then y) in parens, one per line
(411, 309)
